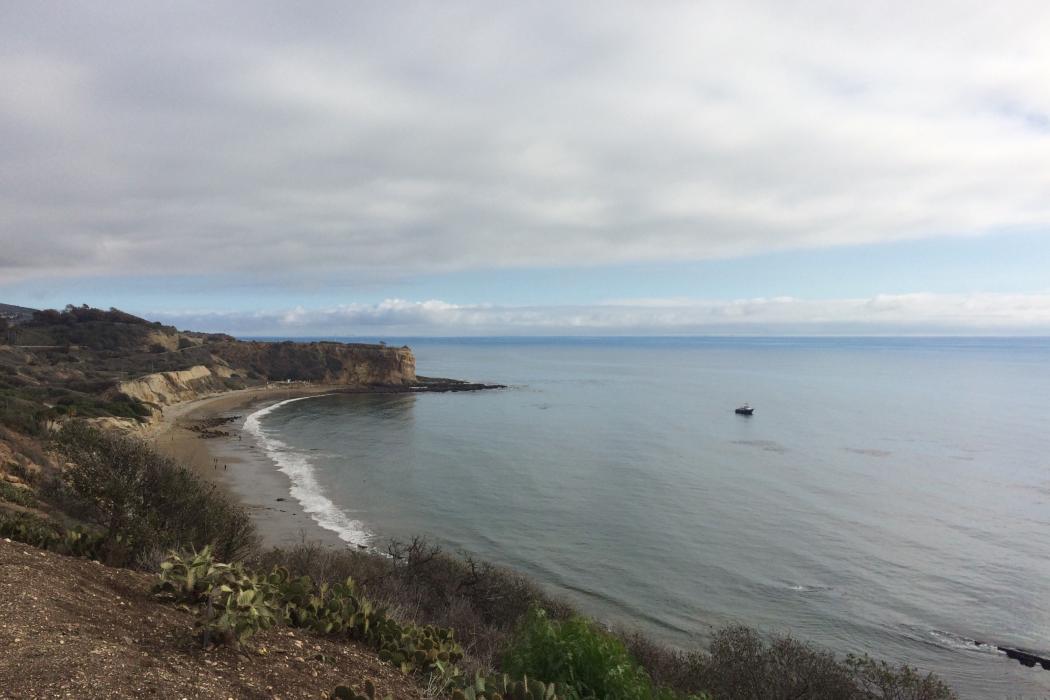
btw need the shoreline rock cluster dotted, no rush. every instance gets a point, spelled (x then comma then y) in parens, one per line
(208, 427)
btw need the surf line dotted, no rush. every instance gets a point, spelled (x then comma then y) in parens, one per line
(304, 485)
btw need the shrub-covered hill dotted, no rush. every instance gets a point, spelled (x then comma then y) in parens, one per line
(99, 330)
(61, 363)
(10, 314)
(58, 364)
(76, 628)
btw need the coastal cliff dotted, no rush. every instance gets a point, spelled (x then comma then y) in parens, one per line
(326, 362)
(119, 370)
(164, 388)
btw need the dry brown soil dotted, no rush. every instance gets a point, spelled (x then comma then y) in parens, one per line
(72, 628)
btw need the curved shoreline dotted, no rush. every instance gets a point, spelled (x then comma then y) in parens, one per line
(239, 465)
(303, 484)
(281, 523)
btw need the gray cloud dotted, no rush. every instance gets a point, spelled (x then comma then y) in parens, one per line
(352, 142)
(992, 314)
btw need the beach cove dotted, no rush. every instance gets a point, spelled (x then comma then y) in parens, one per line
(237, 464)
(860, 523)
(609, 460)
(236, 459)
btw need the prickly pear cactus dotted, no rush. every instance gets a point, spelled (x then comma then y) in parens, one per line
(233, 604)
(501, 687)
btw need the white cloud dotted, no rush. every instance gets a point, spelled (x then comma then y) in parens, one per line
(359, 143)
(994, 314)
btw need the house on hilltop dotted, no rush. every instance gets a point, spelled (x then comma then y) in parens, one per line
(15, 314)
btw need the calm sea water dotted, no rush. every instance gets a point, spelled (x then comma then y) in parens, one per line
(889, 496)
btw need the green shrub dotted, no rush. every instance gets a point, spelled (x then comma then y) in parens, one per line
(234, 603)
(38, 532)
(590, 662)
(144, 502)
(13, 494)
(86, 406)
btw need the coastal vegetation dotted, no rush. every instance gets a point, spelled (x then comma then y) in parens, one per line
(575, 652)
(77, 363)
(144, 504)
(460, 627)
(38, 532)
(64, 364)
(507, 624)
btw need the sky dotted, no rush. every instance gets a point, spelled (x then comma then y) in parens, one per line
(542, 168)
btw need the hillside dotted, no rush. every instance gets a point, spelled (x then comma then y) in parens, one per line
(92, 363)
(76, 628)
(15, 314)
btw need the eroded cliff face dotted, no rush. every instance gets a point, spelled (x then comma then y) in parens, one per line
(331, 363)
(326, 363)
(164, 388)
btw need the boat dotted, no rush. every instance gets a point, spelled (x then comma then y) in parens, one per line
(745, 410)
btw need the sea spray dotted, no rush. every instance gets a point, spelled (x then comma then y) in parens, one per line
(304, 485)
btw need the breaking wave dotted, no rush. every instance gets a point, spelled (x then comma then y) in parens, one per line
(955, 641)
(305, 488)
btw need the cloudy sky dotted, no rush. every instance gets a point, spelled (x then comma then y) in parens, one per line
(459, 168)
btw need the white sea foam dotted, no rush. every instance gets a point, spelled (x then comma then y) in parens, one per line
(801, 588)
(955, 641)
(305, 487)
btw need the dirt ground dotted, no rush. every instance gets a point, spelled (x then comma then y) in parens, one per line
(72, 628)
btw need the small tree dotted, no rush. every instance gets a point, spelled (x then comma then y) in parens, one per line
(147, 503)
(109, 480)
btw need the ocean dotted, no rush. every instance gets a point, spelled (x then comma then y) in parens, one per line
(889, 496)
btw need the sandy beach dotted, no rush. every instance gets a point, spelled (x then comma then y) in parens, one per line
(237, 464)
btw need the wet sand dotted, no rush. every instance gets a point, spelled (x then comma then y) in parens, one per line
(240, 466)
